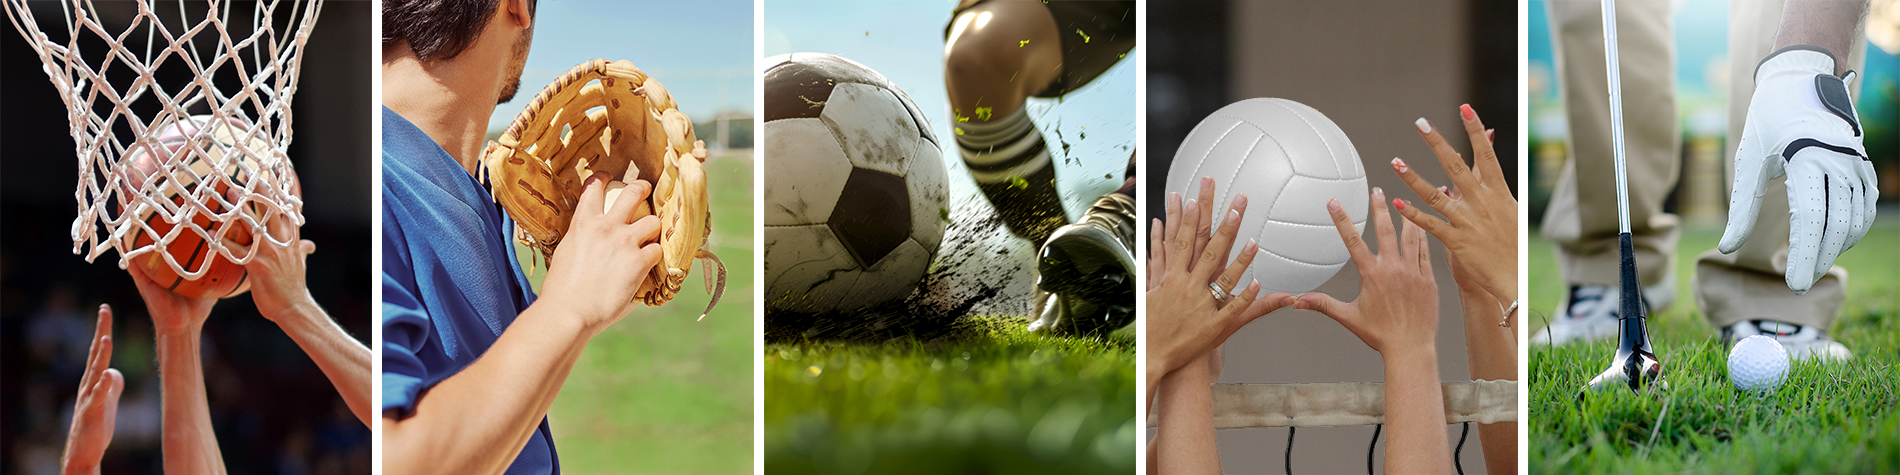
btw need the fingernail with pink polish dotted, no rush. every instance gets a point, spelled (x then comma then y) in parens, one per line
(1446, 191)
(1491, 135)
(1424, 126)
(1399, 203)
(1399, 164)
(1465, 110)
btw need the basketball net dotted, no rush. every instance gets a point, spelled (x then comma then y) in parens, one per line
(227, 172)
(1239, 406)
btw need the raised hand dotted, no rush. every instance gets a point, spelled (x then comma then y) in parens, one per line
(1397, 308)
(1185, 317)
(96, 410)
(1480, 213)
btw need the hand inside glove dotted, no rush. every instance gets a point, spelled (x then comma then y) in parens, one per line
(1802, 125)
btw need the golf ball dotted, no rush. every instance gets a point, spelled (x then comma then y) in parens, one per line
(1757, 364)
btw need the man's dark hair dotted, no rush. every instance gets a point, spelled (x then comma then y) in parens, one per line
(438, 29)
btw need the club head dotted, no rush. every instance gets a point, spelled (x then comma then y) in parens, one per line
(1648, 371)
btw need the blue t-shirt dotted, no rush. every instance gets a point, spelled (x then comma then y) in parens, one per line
(451, 283)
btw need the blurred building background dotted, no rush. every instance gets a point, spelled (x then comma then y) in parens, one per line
(1373, 68)
(273, 410)
(1702, 82)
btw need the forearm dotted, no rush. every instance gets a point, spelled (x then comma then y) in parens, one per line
(1492, 349)
(1415, 413)
(1185, 435)
(477, 420)
(1831, 24)
(189, 444)
(1492, 355)
(342, 358)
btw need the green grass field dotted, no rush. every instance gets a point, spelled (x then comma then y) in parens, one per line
(988, 397)
(659, 392)
(1828, 417)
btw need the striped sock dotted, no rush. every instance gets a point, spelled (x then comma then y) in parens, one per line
(1003, 148)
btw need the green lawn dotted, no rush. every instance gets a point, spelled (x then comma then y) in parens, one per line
(1835, 418)
(989, 398)
(659, 392)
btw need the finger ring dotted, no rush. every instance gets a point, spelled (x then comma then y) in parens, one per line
(1220, 295)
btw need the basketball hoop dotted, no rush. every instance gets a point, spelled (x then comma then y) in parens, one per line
(206, 99)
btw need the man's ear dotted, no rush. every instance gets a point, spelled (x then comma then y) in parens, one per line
(518, 13)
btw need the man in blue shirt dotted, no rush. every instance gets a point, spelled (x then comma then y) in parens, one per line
(472, 359)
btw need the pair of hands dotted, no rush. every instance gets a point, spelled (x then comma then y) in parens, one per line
(1397, 305)
(605, 257)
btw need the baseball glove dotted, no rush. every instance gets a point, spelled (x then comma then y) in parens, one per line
(612, 118)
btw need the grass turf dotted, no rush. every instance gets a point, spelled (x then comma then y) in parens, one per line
(986, 397)
(1828, 417)
(659, 392)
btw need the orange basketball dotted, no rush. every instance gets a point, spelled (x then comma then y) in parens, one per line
(223, 278)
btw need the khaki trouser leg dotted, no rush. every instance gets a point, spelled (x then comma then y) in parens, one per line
(1748, 284)
(1582, 218)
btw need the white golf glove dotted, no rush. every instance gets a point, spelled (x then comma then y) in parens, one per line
(1802, 125)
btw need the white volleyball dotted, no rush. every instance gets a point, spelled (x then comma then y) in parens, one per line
(1288, 159)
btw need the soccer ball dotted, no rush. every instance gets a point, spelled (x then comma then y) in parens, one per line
(1289, 159)
(855, 187)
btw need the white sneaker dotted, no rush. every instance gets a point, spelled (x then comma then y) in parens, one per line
(1590, 312)
(1802, 342)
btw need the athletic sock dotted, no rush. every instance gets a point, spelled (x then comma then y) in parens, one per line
(1011, 165)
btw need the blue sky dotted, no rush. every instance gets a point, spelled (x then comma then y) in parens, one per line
(697, 48)
(904, 42)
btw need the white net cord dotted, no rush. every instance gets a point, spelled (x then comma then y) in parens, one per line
(180, 120)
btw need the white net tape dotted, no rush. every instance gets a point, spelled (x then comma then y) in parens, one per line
(1239, 406)
(150, 172)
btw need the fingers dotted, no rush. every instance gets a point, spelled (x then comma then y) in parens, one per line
(1837, 224)
(281, 228)
(1752, 173)
(1870, 188)
(1182, 245)
(1807, 206)
(1216, 250)
(1172, 222)
(1235, 314)
(1237, 205)
(1267, 304)
(308, 247)
(1231, 276)
(100, 355)
(647, 230)
(1416, 248)
(630, 199)
(1382, 224)
(1355, 246)
(593, 195)
(1157, 254)
(1203, 232)
(1432, 195)
(1454, 163)
(1326, 304)
(111, 384)
(1429, 223)
(1486, 157)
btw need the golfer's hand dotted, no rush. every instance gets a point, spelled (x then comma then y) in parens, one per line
(1184, 319)
(604, 257)
(276, 273)
(96, 411)
(172, 314)
(1480, 213)
(1397, 309)
(1801, 124)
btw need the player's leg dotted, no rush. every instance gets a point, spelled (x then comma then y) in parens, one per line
(1089, 266)
(997, 55)
(1744, 293)
(1582, 217)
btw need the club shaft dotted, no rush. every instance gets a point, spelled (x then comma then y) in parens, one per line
(1616, 117)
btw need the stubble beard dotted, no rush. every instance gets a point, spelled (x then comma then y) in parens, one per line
(518, 62)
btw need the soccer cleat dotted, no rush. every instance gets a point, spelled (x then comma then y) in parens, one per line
(1801, 341)
(1589, 312)
(1090, 268)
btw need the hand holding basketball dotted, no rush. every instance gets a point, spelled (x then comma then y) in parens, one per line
(276, 273)
(172, 314)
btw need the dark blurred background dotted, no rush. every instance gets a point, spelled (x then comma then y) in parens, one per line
(272, 409)
(1373, 68)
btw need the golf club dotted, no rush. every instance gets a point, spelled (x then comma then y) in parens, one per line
(1635, 364)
